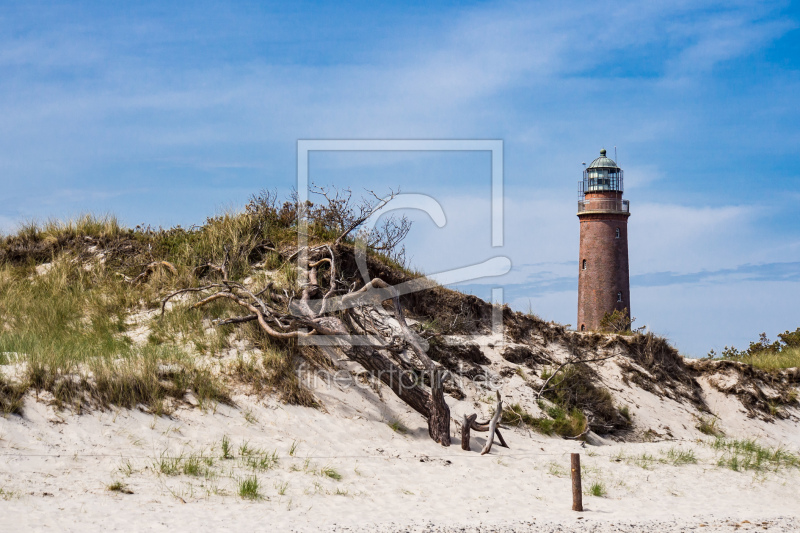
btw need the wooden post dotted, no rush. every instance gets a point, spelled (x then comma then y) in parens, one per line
(577, 496)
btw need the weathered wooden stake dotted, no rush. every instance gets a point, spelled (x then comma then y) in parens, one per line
(577, 496)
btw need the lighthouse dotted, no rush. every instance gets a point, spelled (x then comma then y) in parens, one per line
(603, 280)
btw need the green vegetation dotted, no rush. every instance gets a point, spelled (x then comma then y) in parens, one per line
(559, 421)
(645, 460)
(678, 457)
(748, 454)
(397, 426)
(328, 471)
(572, 391)
(598, 489)
(261, 460)
(248, 488)
(766, 355)
(226, 448)
(281, 487)
(167, 465)
(556, 469)
(617, 322)
(71, 292)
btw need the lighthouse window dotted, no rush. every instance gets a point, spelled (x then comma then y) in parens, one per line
(619, 296)
(617, 233)
(583, 266)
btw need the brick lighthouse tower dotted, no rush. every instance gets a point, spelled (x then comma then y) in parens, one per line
(603, 282)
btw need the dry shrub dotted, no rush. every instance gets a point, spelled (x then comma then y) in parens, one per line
(446, 311)
(522, 355)
(462, 359)
(667, 369)
(274, 372)
(11, 397)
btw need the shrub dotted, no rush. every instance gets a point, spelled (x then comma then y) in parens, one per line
(617, 321)
(766, 355)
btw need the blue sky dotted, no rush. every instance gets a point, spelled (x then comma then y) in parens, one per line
(163, 113)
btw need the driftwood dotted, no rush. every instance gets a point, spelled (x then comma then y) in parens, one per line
(337, 310)
(468, 421)
(493, 425)
(471, 423)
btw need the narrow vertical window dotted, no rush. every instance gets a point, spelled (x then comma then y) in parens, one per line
(619, 296)
(583, 327)
(617, 233)
(583, 266)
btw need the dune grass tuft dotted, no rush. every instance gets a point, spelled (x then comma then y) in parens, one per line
(748, 454)
(598, 489)
(249, 488)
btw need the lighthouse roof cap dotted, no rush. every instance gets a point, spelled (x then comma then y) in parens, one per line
(603, 161)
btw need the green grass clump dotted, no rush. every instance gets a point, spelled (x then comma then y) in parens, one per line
(678, 457)
(598, 489)
(226, 448)
(559, 421)
(330, 472)
(748, 454)
(573, 390)
(644, 460)
(281, 487)
(249, 488)
(198, 466)
(167, 465)
(263, 460)
(397, 426)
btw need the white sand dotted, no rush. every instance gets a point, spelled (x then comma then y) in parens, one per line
(55, 468)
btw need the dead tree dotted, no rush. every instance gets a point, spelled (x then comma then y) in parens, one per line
(326, 304)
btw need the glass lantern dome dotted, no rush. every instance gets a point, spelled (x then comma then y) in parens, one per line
(602, 174)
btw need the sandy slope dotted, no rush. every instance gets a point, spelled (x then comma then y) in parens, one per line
(57, 466)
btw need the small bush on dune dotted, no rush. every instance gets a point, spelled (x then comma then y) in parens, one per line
(559, 421)
(766, 355)
(573, 389)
